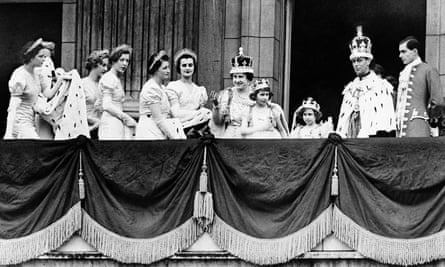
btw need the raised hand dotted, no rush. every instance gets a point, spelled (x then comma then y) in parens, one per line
(213, 97)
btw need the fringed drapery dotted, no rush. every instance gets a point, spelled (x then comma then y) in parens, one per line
(272, 250)
(271, 198)
(139, 250)
(265, 201)
(17, 250)
(388, 250)
(39, 201)
(139, 198)
(391, 199)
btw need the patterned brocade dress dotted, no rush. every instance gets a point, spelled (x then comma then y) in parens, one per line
(235, 107)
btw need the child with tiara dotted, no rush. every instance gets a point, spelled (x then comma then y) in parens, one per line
(306, 121)
(265, 119)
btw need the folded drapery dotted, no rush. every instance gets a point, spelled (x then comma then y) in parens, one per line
(265, 201)
(39, 199)
(392, 198)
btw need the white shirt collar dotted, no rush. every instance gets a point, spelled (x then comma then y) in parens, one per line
(413, 63)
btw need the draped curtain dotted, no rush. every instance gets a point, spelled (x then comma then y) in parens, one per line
(264, 201)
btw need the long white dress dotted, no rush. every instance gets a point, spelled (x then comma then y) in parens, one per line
(190, 98)
(306, 132)
(65, 112)
(263, 117)
(147, 128)
(93, 97)
(111, 127)
(24, 87)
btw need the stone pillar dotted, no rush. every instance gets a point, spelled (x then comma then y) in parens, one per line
(68, 46)
(232, 36)
(258, 26)
(435, 37)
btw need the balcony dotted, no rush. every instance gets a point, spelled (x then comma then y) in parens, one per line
(223, 202)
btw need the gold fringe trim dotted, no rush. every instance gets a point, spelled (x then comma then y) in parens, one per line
(18, 250)
(388, 250)
(138, 250)
(272, 251)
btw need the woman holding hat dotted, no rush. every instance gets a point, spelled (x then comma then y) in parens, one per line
(115, 124)
(306, 120)
(24, 85)
(186, 98)
(264, 119)
(155, 114)
(232, 103)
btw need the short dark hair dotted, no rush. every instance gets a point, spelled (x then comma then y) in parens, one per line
(95, 58)
(299, 115)
(411, 43)
(379, 70)
(249, 75)
(154, 63)
(185, 56)
(253, 96)
(119, 51)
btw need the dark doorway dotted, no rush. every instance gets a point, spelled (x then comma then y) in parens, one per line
(20, 23)
(322, 31)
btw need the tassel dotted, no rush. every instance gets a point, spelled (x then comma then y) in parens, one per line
(203, 206)
(81, 181)
(334, 181)
(203, 179)
(203, 210)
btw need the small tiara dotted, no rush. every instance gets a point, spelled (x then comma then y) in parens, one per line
(185, 51)
(157, 58)
(310, 103)
(261, 84)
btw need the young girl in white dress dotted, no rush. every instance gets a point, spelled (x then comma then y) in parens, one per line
(264, 119)
(306, 120)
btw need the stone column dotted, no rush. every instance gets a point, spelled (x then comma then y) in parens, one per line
(68, 46)
(435, 37)
(258, 26)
